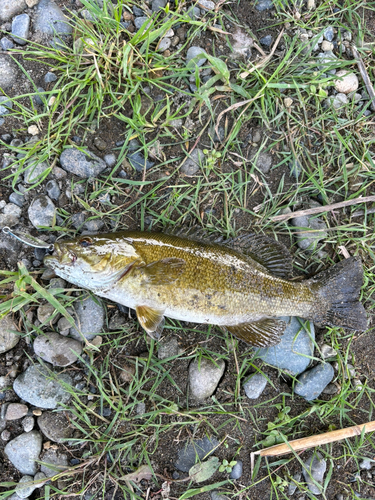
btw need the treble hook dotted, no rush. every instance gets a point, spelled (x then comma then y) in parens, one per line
(27, 239)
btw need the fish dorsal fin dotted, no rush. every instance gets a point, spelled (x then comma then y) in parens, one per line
(194, 233)
(162, 272)
(263, 333)
(271, 254)
(151, 320)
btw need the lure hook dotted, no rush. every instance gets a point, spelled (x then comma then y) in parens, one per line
(27, 239)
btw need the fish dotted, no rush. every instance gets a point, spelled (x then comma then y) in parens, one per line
(242, 284)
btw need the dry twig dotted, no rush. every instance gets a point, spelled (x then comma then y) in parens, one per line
(365, 77)
(265, 60)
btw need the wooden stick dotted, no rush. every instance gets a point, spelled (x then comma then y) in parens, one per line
(317, 440)
(326, 208)
(365, 77)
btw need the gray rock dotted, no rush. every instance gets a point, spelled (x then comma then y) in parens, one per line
(53, 189)
(158, 4)
(194, 52)
(168, 348)
(28, 424)
(177, 123)
(196, 450)
(100, 144)
(17, 198)
(50, 19)
(295, 349)
(41, 211)
(78, 220)
(6, 44)
(293, 484)
(33, 171)
(84, 164)
(20, 29)
(110, 160)
(55, 426)
(192, 164)
(24, 450)
(204, 376)
(366, 464)
(237, 470)
(328, 351)
(5, 105)
(338, 101)
(266, 40)
(164, 44)
(137, 11)
(9, 247)
(312, 382)
(10, 8)
(264, 5)
(255, 385)
(264, 162)
(194, 13)
(206, 4)
(313, 470)
(90, 316)
(140, 408)
(329, 33)
(12, 209)
(8, 72)
(56, 349)
(50, 77)
(138, 161)
(25, 486)
(40, 97)
(53, 462)
(93, 225)
(139, 21)
(37, 387)
(9, 336)
(16, 411)
(38, 478)
(310, 230)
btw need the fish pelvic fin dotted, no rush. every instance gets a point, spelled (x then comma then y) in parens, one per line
(338, 290)
(262, 333)
(151, 320)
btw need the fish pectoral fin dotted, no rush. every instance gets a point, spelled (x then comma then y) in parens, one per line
(263, 333)
(271, 254)
(151, 320)
(162, 272)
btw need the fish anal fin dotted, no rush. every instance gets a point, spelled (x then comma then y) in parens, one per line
(262, 333)
(271, 254)
(151, 320)
(162, 272)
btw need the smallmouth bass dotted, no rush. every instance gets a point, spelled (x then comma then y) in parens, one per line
(241, 284)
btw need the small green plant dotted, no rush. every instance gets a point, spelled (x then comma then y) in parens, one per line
(211, 157)
(227, 466)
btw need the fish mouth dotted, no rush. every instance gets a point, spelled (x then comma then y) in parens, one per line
(60, 256)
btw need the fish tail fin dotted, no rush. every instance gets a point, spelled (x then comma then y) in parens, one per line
(338, 290)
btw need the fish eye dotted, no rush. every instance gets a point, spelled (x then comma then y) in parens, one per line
(85, 242)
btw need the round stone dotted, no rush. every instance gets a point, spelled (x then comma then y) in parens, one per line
(255, 385)
(5, 105)
(346, 82)
(16, 411)
(312, 382)
(28, 424)
(193, 164)
(24, 450)
(41, 212)
(20, 29)
(57, 349)
(50, 19)
(33, 130)
(313, 471)
(53, 462)
(9, 336)
(10, 8)
(8, 72)
(237, 470)
(55, 426)
(25, 486)
(33, 171)
(194, 52)
(204, 376)
(83, 164)
(168, 348)
(90, 314)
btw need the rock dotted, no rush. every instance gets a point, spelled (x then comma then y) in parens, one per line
(366, 464)
(140, 408)
(255, 385)
(206, 4)
(40, 98)
(194, 13)
(45, 312)
(193, 163)
(10, 8)
(38, 479)
(266, 40)
(41, 211)
(9, 336)
(158, 4)
(196, 450)
(293, 484)
(9, 248)
(346, 81)
(327, 351)
(56, 461)
(312, 382)
(264, 5)
(139, 21)
(20, 29)
(164, 44)
(307, 239)
(56, 349)
(6, 44)
(110, 160)
(83, 164)
(50, 19)
(5, 105)
(50, 77)
(55, 426)
(295, 349)
(33, 130)
(128, 372)
(33, 171)
(17, 199)
(90, 314)
(100, 144)
(93, 225)
(264, 162)
(338, 101)
(35, 386)
(242, 44)
(194, 52)
(28, 424)
(12, 210)
(53, 189)
(327, 46)
(314, 468)
(24, 450)
(330, 389)
(8, 72)
(138, 161)
(16, 411)
(329, 33)
(204, 376)
(237, 470)
(168, 348)
(25, 486)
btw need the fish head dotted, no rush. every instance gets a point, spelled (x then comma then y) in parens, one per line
(93, 262)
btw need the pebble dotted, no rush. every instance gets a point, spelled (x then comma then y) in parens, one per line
(5, 435)
(53, 189)
(40, 97)
(315, 468)
(10, 8)
(16, 411)
(33, 130)
(193, 163)
(264, 162)
(50, 19)
(57, 349)
(327, 46)
(127, 372)
(24, 450)
(328, 351)
(37, 388)
(204, 376)
(50, 77)
(6, 44)
(38, 479)
(164, 44)
(25, 486)
(139, 21)
(8, 72)
(196, 450)
(255, 385)
(55, 426)
(307, 239)
(100, 144)
(56, 462)
(20, 29)
(216, 495)
(158, 4)
(9, 337)
(110, 160)
(237, 470)
(296, 348)
(138, 161)
(338, 101)
(90, 314)
(264, 5)
(266, 40)
(33, 171)
(28, 424)
(194, 13)
(206, 4)
(330, 389)
(194, 52)
(83, 164)
(312, 382)
(41, 211)
(12, 209)
(5, 105)
(93, 225)
(293, 484)
(45, 311)
(366, 464)
(168, 348)
(328, 34)
(346, 82)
